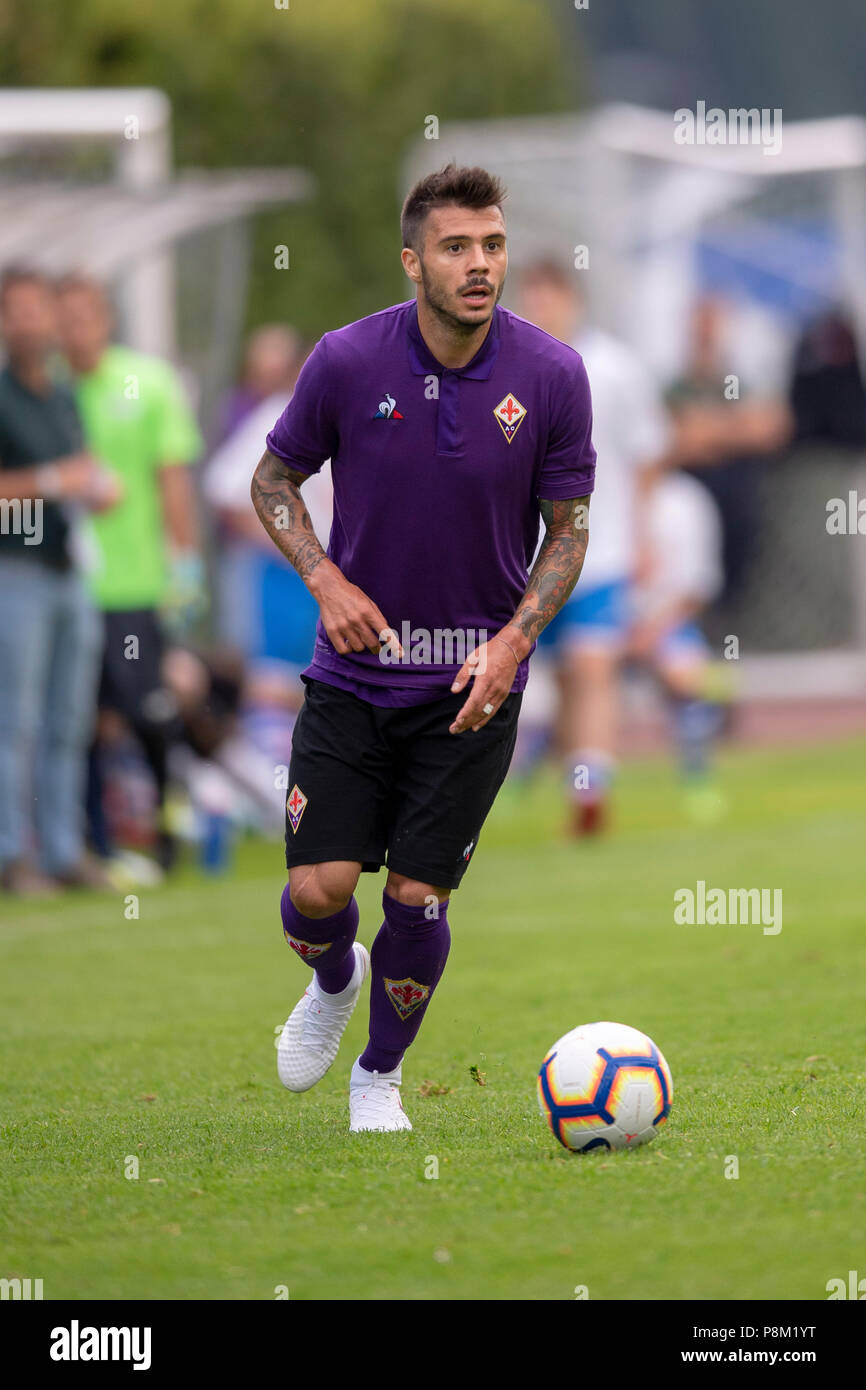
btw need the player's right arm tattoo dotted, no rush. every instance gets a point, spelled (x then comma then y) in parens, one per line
(276, 494)
(557, 566)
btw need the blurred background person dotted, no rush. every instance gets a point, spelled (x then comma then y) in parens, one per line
(147, 549)
(722, 439)
(243, 556)
(264, 609)
(586, 639)
(828, 395)
(272, 359)
(682, 574)
(50, 639)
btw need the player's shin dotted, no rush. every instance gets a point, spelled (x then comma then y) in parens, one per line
(325, 943)
(408, 958)
(696, 723)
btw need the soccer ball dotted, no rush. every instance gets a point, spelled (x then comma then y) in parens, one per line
(604, 1086)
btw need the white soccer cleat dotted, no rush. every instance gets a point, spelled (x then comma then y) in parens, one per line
(310, 1040)
(374, 1101)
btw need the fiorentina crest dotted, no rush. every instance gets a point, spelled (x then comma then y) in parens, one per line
(296, 804)
(308, 950)
(406, 995)
(510, 415)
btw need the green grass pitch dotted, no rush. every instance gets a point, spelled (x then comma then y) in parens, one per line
(153, 1040)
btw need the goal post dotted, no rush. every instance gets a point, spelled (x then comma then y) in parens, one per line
(133, 127)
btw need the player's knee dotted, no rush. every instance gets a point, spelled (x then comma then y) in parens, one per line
(412, 893)
(320, 890)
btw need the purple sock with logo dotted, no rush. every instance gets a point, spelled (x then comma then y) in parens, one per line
(408, 957)
(325, 943)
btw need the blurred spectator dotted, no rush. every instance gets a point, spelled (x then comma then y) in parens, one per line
(587, 637)
(272, 360)
(828, 396)
(230, 783)
(683, 574)
(721, 438)
(265, 610)
(147, 549)
(247, 564)
(50, 638)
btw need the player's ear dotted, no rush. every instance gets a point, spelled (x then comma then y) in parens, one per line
(411, 264)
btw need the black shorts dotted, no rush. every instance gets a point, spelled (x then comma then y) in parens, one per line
(392, 785)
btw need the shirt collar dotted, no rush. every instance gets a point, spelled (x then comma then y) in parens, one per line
(424, 363)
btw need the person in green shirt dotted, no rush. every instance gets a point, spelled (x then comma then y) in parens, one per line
(146, 562)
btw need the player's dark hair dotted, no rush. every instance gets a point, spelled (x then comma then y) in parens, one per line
(466, 187)
(15, 275)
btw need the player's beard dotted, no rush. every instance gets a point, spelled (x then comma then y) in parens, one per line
(442, 304)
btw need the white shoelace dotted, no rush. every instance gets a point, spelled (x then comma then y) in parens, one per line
(322, 1018)
(382, 1097)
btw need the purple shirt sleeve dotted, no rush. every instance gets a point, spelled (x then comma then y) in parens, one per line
(305, 434)
(568, 469)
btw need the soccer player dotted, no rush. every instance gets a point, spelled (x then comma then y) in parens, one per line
(451, 425)
(588, 638)
(684, 574)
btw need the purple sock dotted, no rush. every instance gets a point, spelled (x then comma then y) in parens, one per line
(325, 943)
(408, 957)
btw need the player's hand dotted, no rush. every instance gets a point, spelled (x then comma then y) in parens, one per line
(353, 622)
(84, 479)
(493, 666)
(185, 600)
(75, 476)
(105, 489)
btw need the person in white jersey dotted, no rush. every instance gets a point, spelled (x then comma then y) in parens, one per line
(587, 638)
(683, 575)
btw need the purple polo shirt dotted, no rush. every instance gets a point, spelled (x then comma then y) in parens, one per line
(437, 474)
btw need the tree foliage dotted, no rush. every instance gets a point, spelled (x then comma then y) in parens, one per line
(340, 87)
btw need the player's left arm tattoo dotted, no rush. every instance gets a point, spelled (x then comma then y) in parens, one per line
(556, 569)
